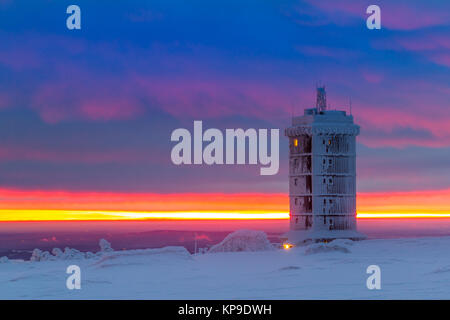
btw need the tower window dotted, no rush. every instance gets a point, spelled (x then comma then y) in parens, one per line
(329, 161)
(329, 142)
(296, 201)
(295, 142)
(295, 181)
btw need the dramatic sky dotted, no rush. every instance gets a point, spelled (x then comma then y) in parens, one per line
(86, 115)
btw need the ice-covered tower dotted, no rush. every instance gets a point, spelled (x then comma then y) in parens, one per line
(322, 175)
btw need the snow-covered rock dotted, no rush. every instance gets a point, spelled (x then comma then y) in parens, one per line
(105, 246)
(243, 240)
(4, 259)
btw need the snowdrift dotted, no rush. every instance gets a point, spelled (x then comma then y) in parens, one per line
(338, 245)
(243, 240)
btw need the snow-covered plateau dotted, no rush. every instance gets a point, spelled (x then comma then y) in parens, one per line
(411, 268)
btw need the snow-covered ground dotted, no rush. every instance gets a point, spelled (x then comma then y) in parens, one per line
(413, 268)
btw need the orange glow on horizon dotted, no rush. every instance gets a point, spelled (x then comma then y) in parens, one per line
(77, 215)
(67, 215)
(24, 205)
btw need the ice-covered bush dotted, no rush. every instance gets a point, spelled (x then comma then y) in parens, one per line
(70, 253)
(57, 252)
(39, 255)
(243, 240)
(105, 246)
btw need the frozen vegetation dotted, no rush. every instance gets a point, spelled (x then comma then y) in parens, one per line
(69, 253)
(413, 268)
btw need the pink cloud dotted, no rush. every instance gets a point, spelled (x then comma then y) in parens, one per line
(213, 97)
(86, 96)
(413, 104)
(387, 121)
(5, 100)
(79, 156)
(19, 60)
(110, 109)
(441, 58)
(328, 52)
(372, 76)
(432, 45)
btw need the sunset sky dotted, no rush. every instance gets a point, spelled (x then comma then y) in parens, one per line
(86, 115)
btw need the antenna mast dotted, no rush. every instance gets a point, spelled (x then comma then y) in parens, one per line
(321, 100)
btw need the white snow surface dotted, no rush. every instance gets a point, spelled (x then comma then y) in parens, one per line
(243, 240)
(412, 268)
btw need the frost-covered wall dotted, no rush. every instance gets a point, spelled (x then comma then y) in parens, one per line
(322, 171)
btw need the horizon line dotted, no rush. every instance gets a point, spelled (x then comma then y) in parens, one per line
(36, 215)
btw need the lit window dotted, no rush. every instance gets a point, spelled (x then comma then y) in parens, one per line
(329, 142)
(295, 142)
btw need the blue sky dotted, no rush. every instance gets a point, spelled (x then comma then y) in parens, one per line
(93, 109)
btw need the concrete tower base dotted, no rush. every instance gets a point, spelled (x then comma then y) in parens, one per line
(298, 237)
